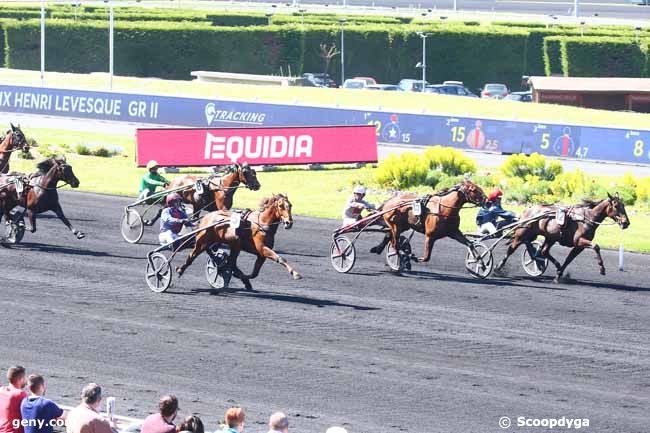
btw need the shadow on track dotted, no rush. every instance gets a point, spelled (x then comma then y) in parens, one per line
(32, 246)
(500, 282)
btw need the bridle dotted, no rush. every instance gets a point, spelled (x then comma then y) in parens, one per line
(461, 189)
(60, 168)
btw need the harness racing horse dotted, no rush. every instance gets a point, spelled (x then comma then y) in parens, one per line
(43, 195)
(439, 218)
(255, 235)
(580, 226)
(219, 191)
(13, 192)
(13, 140)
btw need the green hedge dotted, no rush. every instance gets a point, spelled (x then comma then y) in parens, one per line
(553, 55)
(22, 14)
(237, 19)
(603, 57)
(125, 16)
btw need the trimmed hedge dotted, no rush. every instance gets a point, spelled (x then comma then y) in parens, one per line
(237, 19)
(124, 16)
(553, 55)
(602, 57)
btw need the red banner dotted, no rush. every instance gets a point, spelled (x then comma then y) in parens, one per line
(257, 146)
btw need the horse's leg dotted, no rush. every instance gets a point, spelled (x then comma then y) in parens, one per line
(199, 246)
(59, 213)
(429, 240)
(516, 241)
(377, 249)
(572, 255)
(31, 216)
(586, 243)
(546, 252)
(268, 253)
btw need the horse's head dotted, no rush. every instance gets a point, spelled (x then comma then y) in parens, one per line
(64, 171)
(248, 176)
(473, 193)
(616, 211)
(280, 206)
(18, 140)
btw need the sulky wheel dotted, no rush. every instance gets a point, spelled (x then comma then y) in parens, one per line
(132, 226)
(14, 232)
(399, 262)
(159, 272)
(218, 274)
(532, 261)
(342, 254)
(480, 261)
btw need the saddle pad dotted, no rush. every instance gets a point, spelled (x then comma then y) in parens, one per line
(235, 220)
(560, 217)
(198, 186)
(417, 208)
(19, 186)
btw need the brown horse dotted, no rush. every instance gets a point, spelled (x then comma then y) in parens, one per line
(43, 195)
(255, 235)
(219, 191)
(439, 216)
(580, 226)
(13, 140)
(13, 192)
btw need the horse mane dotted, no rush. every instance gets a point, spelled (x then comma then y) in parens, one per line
(445, 191)
(586, 202)
(45, 165)
(266, 202)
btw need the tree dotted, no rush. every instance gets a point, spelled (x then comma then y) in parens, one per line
(327, 53)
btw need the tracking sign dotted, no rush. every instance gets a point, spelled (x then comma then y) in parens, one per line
(277, 146)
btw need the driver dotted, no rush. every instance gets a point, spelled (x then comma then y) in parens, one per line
(172, 219)
(492, 217)
(355, 204)
(151, 180)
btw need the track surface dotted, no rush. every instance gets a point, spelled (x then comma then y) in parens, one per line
(434, 351)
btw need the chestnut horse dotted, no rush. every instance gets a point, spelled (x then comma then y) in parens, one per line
(219, 191)
(13, 140)
(578, 232)
(255, 235)
(43, 195)
(439, 218)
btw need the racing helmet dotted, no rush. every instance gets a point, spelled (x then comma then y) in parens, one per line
(497, 193)
(152, 164)
(359, 189)
(172, 197)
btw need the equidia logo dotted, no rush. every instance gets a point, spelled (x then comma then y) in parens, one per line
(263, 146)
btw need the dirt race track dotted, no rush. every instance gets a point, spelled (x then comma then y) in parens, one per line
(433, 351)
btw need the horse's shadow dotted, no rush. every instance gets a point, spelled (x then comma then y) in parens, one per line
(34, 246)
(603, 285)
(491, 281)
(234, 292)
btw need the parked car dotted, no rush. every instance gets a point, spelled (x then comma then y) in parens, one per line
(520, 96)
(411, 85)
(454, 83)
(369, 80)
(449, 89)
(352, 83)
(385, 87)
(317, 80)
(495, 91)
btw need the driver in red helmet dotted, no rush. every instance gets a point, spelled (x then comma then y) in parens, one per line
(492, 217)
(172, 219)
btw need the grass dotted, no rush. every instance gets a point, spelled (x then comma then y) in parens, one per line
(390, 101)
(319, 193)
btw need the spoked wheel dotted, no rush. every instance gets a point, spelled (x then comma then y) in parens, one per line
(132, 226)
(396, 261)
(150, 213)
(342, 254)
(535, 265)
(480, 261)
(14, 232)
(218, 274)
(159, 272)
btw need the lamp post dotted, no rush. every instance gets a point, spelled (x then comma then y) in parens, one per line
(423, 64)
(42, 43)
(269, 16)
(575, 8)
(110, 45)
(302, 15)
(342, 21)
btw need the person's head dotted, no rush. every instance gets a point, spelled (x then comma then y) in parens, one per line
(16, 376)
(91, 395)
(495, 196)
(359, 192)
(235, 418)
(36, 384)
(168, 407)
(152, 166)
(174, 200)
(192, 424)
(279, 422)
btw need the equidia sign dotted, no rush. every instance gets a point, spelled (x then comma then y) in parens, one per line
(555, 139)
(299, 145)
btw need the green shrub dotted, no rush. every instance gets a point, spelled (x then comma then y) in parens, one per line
(433, 178)
(520, 165)
(403, 171)
(642, 190)
(553, 55)
(237, 19)
(102, 152)
(450, 161)
(82, 149)
(602, 57)
(531, 190)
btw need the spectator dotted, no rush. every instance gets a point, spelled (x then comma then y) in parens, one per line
(10, 398)
(161, 422)
(191, 424)
(278, 423)
(85, 417)
(234, 420)
(37, 409)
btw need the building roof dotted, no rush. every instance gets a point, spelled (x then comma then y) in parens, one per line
(580, 84)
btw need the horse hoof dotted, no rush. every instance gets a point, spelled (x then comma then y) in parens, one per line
(296, 276)
(80, 235)
(179, 271)
(556, 280)
(375, 250)
(603, 272)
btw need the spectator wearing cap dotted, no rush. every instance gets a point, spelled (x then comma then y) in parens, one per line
(492, 217)
(234, 420)
(191, 424)
(37, 409)
(11, 396)
(278, 423)
(162, 422)
(85, 417)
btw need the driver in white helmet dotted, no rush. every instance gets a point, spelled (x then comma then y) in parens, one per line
(356, 204)
(172, 219)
